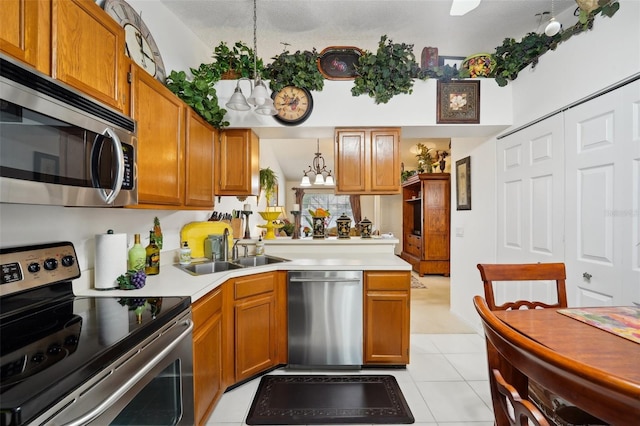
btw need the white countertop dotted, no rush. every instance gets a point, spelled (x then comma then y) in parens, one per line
(172, 281)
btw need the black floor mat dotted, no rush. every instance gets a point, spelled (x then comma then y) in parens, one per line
(327, 399)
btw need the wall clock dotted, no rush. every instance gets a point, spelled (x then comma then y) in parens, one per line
(139, 43)
(294, 105)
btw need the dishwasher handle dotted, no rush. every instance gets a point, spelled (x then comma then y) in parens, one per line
(324, 280)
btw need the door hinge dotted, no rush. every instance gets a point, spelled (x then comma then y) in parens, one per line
(129, 78)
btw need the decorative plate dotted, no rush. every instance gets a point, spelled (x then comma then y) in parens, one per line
(338, 62)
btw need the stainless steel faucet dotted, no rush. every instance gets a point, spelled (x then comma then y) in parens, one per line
(234, 250)
(225, 245)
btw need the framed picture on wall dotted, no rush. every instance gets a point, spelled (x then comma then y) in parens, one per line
(273, 201)
(463, 184)
(458, 102)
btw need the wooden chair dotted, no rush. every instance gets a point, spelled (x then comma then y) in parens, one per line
(523, 272)
(535, 272)
(518, 411)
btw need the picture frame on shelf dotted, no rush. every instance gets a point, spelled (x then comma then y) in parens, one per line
(458, 102)
(463, 184)
(452, 61)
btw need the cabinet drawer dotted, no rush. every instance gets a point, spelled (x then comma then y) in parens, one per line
(252, 285)
(383, 280)
(207, 307)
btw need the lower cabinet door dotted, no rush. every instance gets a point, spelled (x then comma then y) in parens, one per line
(255, 335)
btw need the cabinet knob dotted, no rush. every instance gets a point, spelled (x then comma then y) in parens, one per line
(587, 276)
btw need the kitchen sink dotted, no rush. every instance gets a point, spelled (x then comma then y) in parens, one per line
(208, 267)
(250, 261)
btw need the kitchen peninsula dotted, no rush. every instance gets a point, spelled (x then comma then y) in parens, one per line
(240, 315)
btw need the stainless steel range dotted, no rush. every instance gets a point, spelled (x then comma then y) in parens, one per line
(84, 360)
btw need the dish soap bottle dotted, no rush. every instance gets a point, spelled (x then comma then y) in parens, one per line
(185, 254)
(137, 255)
(260, 247)
(152, 265)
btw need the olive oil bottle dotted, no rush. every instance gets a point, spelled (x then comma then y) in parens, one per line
(152, 266)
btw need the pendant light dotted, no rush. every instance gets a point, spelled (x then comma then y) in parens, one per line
(260, 96)
(553, 27)
(319, 168)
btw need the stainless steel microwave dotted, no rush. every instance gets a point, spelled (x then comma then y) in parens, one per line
(60, 147)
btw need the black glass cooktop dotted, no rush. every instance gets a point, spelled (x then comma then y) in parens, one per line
(56, 344)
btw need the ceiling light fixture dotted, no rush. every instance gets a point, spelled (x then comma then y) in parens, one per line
(323, 176)
(260, 96)
(553, 27)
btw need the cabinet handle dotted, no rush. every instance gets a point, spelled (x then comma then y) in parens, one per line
(587, 276)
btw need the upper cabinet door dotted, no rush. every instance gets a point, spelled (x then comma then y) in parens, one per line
(199, 157)
(385, 161)
(238, 167)
(160, 159)
(351, 161)
(25, 32)
(367, 161)
(88, 51)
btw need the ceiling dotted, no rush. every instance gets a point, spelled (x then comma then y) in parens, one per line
(308, 24)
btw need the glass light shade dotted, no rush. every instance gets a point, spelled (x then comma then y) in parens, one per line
(305, 181)
(553, 27)
(267, 108)
(319, 179)
(238, 102)
(329, 181)
(259, 95)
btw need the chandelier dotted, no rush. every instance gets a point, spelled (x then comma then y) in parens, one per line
(319, 169)
(260, 96)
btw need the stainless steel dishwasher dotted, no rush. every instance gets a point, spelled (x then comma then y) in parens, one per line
(325, 319)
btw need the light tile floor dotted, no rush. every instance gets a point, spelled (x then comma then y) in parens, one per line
(445, 384)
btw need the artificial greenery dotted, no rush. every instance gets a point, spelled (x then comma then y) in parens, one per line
(512, 57)
(388, 72)
(238, 58)
(298, 69)
(268, 182)
(199, 93)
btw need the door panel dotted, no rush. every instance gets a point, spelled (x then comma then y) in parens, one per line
(530, 207)
(602, 199)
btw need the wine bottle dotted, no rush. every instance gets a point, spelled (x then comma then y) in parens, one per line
(137, 255)
(152, 266)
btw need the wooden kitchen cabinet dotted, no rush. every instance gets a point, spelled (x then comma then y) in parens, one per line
(387, 317)
(207, 354)
(25, 32)
(252, 326)
(426, 212)
(88, 53)
(199, 161)
(160, 116)
(367, 161)
(238, 167)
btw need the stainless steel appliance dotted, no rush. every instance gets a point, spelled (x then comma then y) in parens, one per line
(83, 360)
(325, 319)
(60, 147)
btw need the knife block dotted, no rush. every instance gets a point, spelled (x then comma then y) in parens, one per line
(236, 227)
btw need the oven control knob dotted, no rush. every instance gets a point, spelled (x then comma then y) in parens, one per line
(67, 261)
(71, 340)
(54, 349)
(33, 267)
(50, 264)
(38, 357)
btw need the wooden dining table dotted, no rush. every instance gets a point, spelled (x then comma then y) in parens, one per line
(591, 367)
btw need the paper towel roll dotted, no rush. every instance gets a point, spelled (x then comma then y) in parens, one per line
(110, 260)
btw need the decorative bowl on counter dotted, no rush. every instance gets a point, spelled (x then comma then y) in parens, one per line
(270, 217)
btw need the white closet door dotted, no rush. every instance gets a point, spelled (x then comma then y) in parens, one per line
(530, 185)
(602, 161)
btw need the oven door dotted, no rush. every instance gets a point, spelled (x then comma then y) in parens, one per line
(151, 385)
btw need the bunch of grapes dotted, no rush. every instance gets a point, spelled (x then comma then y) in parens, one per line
(132, 280)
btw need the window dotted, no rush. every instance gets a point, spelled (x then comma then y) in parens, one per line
(335, 204)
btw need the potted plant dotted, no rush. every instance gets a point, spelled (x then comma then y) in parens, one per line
(199, 93)
(233, 62)
(388, 72)
(298, 69)
(268, 182)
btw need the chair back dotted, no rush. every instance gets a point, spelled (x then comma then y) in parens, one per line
(518, 411)
(523, 272)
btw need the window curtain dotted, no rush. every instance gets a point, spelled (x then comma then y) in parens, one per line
(356, 209)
